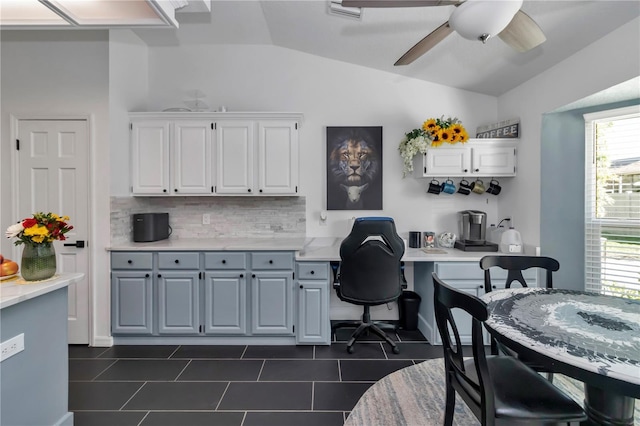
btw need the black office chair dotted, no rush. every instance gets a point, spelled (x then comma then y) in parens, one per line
(370, 273)
(498, 389)
(514, 265)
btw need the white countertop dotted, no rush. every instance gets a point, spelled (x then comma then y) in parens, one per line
(203, 244)
(12, 293)
(309, 249)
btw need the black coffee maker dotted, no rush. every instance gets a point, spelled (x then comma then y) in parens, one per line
(473, 228)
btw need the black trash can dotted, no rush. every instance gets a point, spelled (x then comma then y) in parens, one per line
(408, 305)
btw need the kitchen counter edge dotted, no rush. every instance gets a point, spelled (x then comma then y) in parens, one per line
(12, 293)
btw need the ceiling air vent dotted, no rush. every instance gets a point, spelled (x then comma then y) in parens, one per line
(336, 8)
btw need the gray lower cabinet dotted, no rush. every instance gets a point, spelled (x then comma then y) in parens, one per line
(131, 302)
(225, 302)
(313, 326)
(202, 293)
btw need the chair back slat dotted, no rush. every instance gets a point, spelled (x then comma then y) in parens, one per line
(514, 265)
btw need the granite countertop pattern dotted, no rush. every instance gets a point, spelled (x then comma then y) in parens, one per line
(12, 293)
(307, 249)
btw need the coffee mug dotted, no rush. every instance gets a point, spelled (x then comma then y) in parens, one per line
(477, 186)
(465, 187)
(448, 186)
(434, 187)
(494, 187)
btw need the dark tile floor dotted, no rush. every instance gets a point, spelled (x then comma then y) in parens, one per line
(231, 385)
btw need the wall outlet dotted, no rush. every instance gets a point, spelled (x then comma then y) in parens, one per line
(11, 347)
(206, 219)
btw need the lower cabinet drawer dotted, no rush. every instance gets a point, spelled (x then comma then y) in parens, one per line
(178, 260)
(131, 260)
(225, 260)
(272, 260)
(313, 271)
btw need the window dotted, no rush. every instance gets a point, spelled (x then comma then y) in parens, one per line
(612, 196)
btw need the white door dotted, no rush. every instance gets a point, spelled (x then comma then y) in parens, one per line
(53, 177)
(277, 157)
(234, 157)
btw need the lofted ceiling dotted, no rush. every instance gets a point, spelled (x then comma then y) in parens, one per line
(381, 36)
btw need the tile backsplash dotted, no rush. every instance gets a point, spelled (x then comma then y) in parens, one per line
(230, 217)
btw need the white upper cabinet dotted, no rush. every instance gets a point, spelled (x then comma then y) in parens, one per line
(257, 157)
(184, 153)
(477, 158)
(234, 154)
(150, 157)
(171, 157)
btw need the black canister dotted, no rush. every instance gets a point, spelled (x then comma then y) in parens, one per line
(414, 239)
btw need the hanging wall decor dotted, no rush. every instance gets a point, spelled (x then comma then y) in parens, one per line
(354, 168)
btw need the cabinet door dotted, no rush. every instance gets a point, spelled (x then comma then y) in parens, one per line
(131, 307)
(150, 157)
(225, 302)
(494, 161)
(192, 157)
(277, 157)
(313, 313)
(271, 302)
(447, 162)
(178, 302)
(235, 145)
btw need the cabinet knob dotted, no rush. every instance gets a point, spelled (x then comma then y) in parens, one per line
(241, 275)
(175, 190)
(261, 190)
(147, 276)
(466, 170)
(494, 286)
(129, 262)
(224, 261)
(312, 272)
(271, 262)
(177, 261)
(480, 286)
(159, 275)
(249, 190)
(253, 275)
(301, 286)
(477, 170)
(164, 190)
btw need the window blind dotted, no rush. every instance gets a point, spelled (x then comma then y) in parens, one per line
(612, 202)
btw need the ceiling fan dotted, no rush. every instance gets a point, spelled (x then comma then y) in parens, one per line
(473, 20)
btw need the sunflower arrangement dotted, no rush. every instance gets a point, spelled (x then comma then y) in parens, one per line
(433, 133)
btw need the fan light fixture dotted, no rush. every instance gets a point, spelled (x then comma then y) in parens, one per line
(481, 19)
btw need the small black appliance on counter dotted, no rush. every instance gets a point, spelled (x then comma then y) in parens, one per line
(149, 227)
(473, 225)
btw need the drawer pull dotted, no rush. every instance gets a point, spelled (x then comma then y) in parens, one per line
(159, 275)
(224, 261)
(147, 276)
(312, 272)
(177, 261)
(480, 286)
(241, 275)
(271, 262)
(253, 275)
(301, 286)
(129, 262)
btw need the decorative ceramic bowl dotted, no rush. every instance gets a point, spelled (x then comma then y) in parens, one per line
(446, 239)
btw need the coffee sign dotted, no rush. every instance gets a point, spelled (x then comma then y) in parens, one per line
(508, 129)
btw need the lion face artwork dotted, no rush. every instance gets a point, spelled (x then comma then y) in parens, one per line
(354, 168)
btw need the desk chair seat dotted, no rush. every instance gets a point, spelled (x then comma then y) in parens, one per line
(370, 273)
(497, 389)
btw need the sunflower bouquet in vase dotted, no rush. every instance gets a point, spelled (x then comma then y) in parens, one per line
(433, 133)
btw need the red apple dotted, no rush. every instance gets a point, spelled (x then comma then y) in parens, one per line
(8, 267)
(1, 258)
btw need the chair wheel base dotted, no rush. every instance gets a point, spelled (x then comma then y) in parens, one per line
(396, 350)
(350, 349)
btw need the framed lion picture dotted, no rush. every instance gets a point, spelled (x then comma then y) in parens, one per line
(354, 168)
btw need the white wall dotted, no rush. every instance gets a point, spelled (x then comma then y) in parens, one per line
(609, 61)
(328, 93)
(61, 73)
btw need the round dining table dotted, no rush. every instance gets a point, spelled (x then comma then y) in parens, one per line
(591, 337)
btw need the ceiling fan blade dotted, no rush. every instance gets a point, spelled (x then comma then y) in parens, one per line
(522, 33)
(424, 45)
(398, 3)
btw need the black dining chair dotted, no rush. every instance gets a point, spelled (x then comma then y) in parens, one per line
(370, 273)
(498, 389)
(514, 265)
